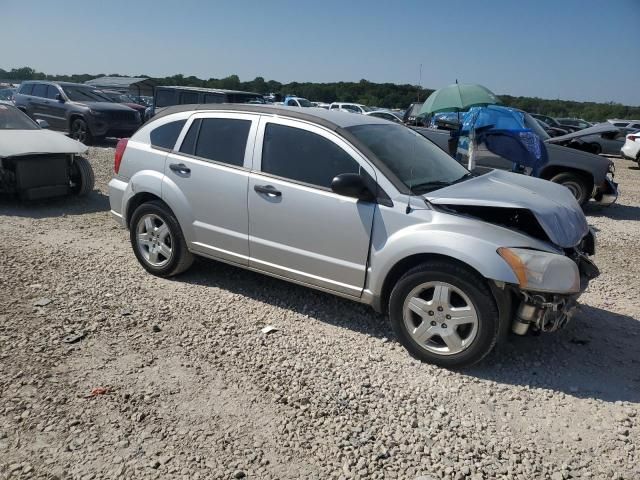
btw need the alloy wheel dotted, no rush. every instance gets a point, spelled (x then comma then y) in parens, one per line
(154, 240)
(440, 318)
(79, 131)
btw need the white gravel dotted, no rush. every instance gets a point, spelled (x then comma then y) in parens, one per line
(196, 390)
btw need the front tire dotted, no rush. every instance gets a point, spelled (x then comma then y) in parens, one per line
(157, 240)
(80, 131)
(444, 314)
(82, 176)
(576, 184)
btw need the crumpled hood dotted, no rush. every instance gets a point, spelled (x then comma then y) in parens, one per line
(553, 205)
(26, 142)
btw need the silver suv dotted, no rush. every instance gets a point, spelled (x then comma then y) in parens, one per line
(359, 207)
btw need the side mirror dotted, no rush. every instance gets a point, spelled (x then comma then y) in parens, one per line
(59, 98)
(42, 123)
(351, 185)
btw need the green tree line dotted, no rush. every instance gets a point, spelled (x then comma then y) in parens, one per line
(384, 95)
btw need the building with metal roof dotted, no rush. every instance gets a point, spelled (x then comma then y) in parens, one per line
(135, 85)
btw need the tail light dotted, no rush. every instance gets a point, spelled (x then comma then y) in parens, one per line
(120, 148)
(633, 138)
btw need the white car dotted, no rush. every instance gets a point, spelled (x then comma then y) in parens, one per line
(386, 115)
(350, 107)
(629, 126)
(38, 164)
(631, 147)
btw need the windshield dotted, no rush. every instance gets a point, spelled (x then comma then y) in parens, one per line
(532, 124)
(367, 109)
(418, 163)
(84, 94)
(13, 119)
(304, 102)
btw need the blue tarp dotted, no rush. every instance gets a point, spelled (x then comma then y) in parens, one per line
(503, 131)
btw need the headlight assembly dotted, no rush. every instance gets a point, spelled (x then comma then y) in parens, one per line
(542, 271)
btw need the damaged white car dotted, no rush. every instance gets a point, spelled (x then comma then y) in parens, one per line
(36, 163)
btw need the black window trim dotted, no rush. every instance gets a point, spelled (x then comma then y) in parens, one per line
(194, 118)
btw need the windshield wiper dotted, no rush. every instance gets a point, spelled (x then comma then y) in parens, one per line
(436, 184)
(428, 186)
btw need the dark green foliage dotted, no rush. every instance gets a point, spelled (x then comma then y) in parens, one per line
(386, 95)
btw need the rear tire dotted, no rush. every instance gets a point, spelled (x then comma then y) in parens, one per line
(157, 240)
(576, 184)
(82, 176)
(433, 294)
(596, 148)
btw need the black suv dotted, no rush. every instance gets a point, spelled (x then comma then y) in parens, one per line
(76, 108)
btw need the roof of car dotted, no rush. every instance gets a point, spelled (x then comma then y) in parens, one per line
(55, 82)
(330, 119)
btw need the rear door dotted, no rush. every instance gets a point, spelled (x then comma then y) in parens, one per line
(298, 228)
(37, 102)
(210, 167)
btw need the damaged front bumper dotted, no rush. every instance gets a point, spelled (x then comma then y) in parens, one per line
(547, 312)
(607, 193)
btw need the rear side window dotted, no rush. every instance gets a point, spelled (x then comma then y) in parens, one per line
(165, 136)
(635, 125)
(304, 156)
(620, 124)
(221, 139)
(26, 89)
(40, 90)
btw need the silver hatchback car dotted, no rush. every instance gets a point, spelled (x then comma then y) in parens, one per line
(359, 207)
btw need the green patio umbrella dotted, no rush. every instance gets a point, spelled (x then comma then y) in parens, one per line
(457, 97)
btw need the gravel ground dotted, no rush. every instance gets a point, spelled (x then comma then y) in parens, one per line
(191, 388)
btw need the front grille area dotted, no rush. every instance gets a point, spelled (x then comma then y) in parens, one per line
(120, 116)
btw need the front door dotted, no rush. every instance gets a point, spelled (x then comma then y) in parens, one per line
(211, 169)
(299, 228)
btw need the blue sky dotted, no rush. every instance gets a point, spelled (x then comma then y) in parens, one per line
(568, 49)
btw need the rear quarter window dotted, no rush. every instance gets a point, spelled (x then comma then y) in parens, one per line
(165, 136)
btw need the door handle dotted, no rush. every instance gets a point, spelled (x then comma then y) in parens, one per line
(267, 190)
(180, 168)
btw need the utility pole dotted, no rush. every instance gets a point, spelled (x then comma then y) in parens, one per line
(419, 82)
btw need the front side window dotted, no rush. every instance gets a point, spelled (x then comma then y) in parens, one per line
(219, 139)
(304, 156)
(291, 103)
(52, 92)
(165, 136)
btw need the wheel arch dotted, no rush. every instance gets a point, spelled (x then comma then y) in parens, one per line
(407, 263)
(552, 170)
(138, 199)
